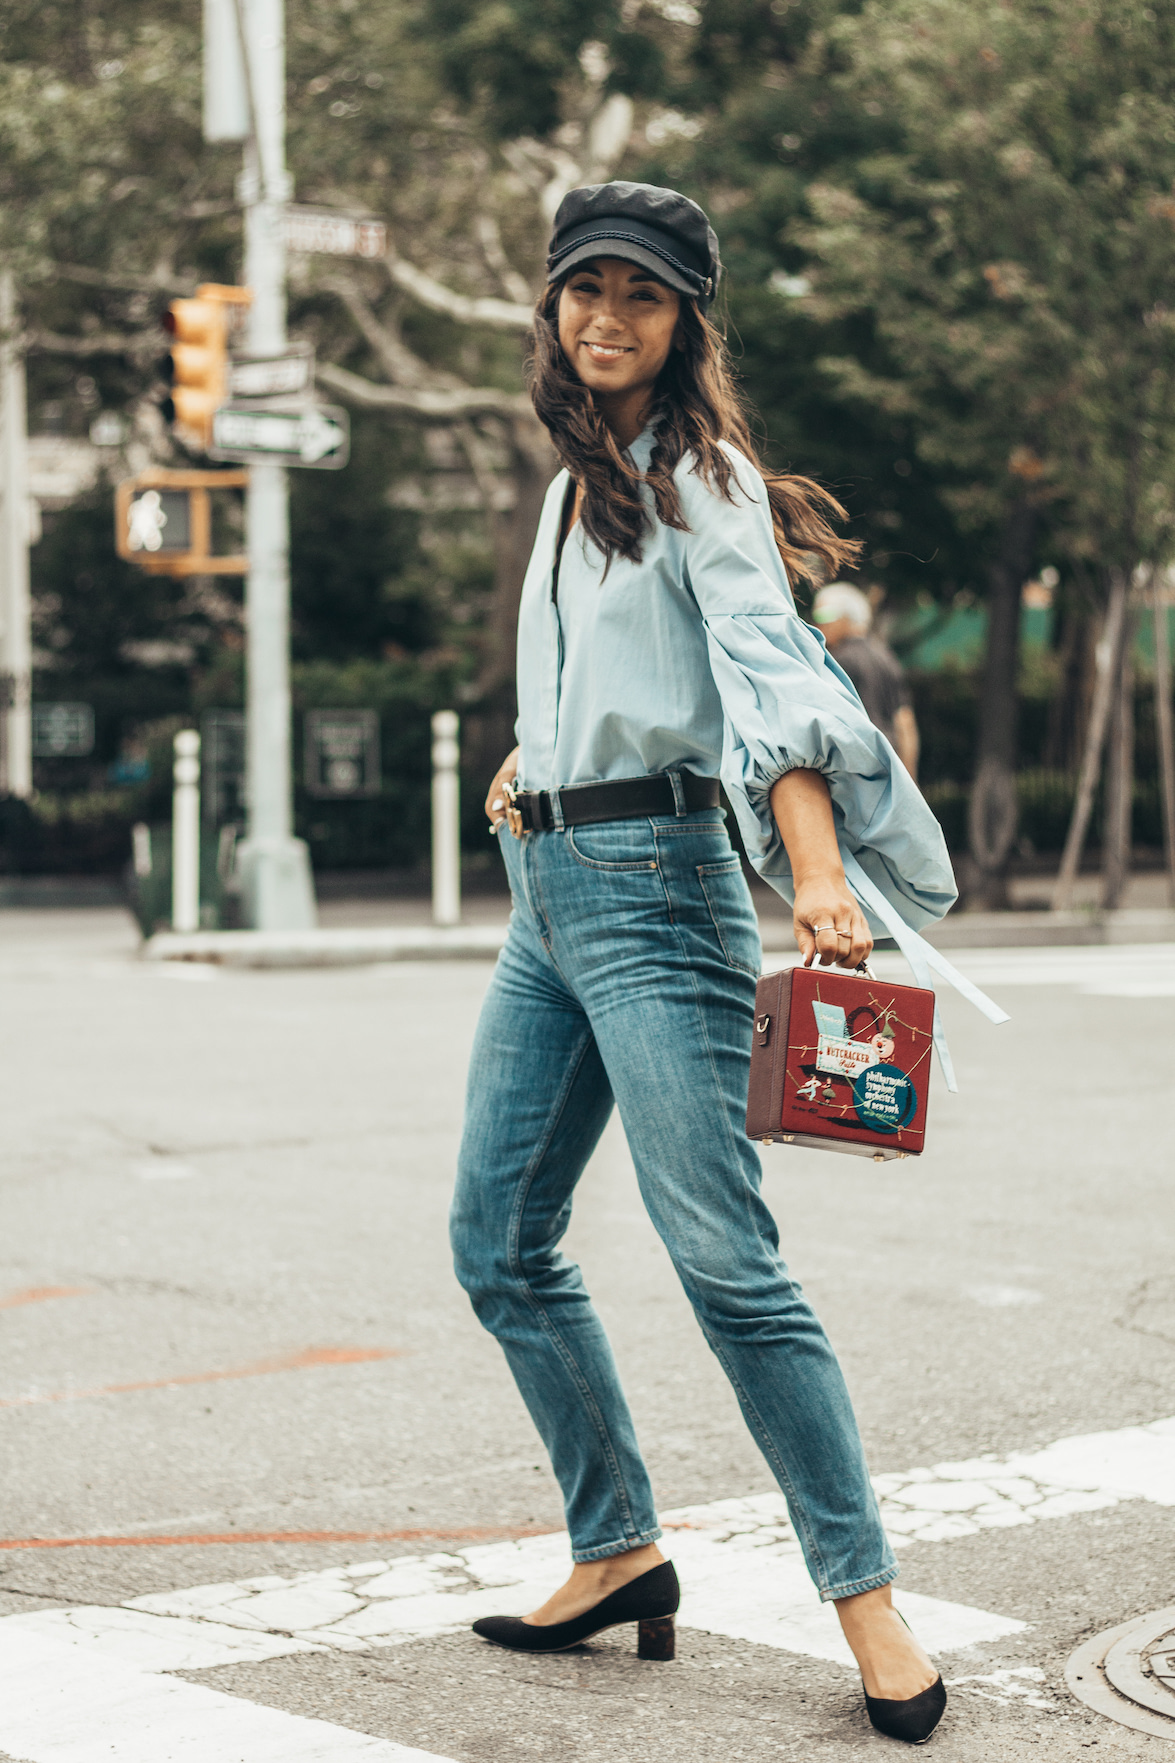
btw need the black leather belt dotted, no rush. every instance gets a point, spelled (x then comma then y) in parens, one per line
(623, 798)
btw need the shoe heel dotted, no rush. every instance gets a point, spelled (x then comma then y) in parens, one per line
(656, 1638)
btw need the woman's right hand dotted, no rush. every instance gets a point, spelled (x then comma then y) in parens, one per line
(830, 927)
(496, 799)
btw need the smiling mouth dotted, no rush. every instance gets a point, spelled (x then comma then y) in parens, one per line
(608, 351)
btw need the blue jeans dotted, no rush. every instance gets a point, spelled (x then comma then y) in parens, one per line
(628, 975)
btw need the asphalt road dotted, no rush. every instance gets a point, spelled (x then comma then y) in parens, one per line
(227, 1308)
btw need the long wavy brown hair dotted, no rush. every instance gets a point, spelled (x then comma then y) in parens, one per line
(695, 407)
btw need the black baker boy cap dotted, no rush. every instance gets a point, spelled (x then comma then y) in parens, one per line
(660, 230)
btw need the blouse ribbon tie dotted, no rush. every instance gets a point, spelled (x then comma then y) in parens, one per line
(922, 956)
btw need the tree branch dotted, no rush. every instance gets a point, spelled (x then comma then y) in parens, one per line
(502, 315)
(402, 365)
(490, 239)
(479, 462)
(135, 284)
(50, 343)
(448, 404)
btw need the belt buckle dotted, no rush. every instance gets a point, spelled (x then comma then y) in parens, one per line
(513, 812)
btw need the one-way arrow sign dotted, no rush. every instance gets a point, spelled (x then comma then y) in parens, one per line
(319, 436)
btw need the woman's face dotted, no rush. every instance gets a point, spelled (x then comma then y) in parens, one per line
(617, 324)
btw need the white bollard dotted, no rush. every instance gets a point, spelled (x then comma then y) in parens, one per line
(185, 833)
(446, 820)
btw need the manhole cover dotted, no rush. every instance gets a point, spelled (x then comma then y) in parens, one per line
(1128, 1673)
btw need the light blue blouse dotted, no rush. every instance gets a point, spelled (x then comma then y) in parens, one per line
(696, 658)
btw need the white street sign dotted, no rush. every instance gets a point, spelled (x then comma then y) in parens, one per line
(333, 235)
(62, 731)
(272, 376)
(319, 436)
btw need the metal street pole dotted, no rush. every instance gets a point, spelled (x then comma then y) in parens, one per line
(277, 885)
(16, 745)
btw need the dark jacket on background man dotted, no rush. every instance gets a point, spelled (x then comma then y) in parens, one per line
(877, 674)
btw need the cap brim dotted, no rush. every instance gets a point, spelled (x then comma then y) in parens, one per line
(590, 250)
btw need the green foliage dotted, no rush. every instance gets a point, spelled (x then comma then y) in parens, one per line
(1012, 250)
(85, 833)
(946, 705)
(777, 125)
(357, 579)
(512, 60)
(100, 136)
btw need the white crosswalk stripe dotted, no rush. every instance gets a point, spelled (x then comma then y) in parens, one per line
(62, 1703)
(85, 1682)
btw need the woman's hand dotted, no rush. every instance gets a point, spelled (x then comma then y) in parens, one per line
(828, 923)
(496, 799)
(827, 920)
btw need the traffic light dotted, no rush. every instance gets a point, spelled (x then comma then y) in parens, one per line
(197, 365)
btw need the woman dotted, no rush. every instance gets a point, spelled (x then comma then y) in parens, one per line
(659, 650)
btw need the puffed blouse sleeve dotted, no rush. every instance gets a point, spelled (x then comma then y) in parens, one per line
(786, 704)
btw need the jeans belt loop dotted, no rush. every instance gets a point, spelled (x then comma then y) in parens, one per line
(556, 811)
(679, 807)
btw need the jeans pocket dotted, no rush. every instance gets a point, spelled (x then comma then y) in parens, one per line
(613, 845)
(732, 914)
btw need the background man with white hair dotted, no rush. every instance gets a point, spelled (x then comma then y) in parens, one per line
(845, 617)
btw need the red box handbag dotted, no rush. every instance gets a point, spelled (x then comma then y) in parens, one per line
(840, 1061)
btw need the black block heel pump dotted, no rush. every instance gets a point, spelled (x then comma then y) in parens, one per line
(650, 1601)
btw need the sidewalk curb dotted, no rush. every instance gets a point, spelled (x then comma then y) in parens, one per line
(327, 948)
(1036, 930)
(482, 942)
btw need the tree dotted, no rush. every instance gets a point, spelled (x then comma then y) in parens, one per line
(530, 102)
(113, 203)
(756, 123)
(1010, 252)
(948, 229)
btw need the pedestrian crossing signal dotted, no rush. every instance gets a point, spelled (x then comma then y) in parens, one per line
(163, 522)
(197, 365)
